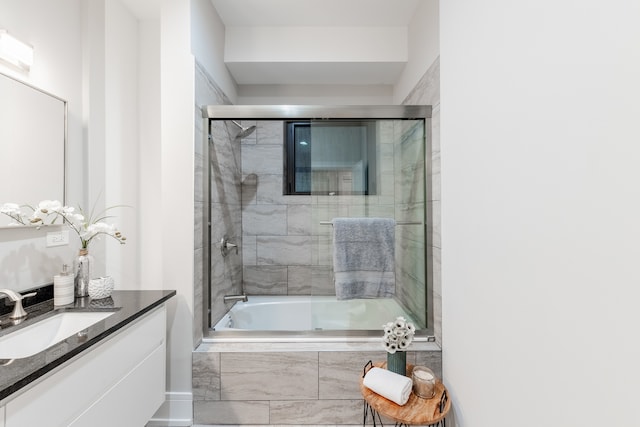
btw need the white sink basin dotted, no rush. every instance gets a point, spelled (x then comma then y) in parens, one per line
(35, 338)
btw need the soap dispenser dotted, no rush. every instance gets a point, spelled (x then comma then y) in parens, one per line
(63, 288)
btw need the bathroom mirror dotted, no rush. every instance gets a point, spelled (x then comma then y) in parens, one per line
(33, 133)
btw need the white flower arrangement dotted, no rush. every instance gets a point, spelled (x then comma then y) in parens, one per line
(398, 335)
(12, 210)
(49, 211)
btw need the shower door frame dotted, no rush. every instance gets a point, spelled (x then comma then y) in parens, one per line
(318, 112)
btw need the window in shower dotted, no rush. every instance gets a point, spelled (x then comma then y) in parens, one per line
(330, 157)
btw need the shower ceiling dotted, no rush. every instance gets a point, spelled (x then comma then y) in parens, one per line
(354, 42)
(324, 13)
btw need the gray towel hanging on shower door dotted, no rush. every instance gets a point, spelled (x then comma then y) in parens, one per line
(364, 257)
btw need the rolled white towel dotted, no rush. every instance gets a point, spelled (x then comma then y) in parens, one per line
(394, 387)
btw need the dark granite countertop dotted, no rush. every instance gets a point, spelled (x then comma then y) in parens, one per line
(127, 306)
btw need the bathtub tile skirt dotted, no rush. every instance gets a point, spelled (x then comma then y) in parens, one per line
(225, 412)
(316, 411)
(269, 376)
(338, 372)
(286, 388)
(205, 376)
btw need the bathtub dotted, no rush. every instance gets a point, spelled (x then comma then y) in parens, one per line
(310, 313)
(266, 357)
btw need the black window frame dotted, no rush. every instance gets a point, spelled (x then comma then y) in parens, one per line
(289, 172)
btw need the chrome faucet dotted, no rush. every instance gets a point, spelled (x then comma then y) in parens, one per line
(18, 310)
(231, 298)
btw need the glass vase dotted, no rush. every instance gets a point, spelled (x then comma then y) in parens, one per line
(83, 266)
(397, 362)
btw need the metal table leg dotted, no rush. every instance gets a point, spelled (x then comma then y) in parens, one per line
(369, 409)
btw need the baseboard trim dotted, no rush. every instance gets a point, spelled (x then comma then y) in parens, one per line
(175, 411)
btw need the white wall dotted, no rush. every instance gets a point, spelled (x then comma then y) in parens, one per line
(315, 44)
(540, 211)
(418, 45)
(315, 94)
(177, 163)
(349, 64)
(150, 193)
(94, 115)
(207, 45)
(110, 52)
(423, 47)
(122, 140)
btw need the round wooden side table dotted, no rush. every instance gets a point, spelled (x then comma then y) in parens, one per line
(417, 410)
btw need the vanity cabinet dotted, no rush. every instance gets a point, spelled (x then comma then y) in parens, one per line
(119, 382)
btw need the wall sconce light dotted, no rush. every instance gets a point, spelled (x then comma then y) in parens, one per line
(15, 52)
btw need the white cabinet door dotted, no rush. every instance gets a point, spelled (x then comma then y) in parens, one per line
(133, 400)
(67, 394)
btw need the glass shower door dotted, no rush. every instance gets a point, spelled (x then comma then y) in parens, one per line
(368, 168)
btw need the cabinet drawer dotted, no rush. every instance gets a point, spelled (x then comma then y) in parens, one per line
(63, 396)
(133, 400)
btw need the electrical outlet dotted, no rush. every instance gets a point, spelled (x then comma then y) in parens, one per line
(58, 238)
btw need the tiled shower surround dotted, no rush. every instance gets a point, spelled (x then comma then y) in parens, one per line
(266, 384)
(226, 273)
(427, 92)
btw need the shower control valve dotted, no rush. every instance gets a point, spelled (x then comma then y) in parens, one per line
(225, 246)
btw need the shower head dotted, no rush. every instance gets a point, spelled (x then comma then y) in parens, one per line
(244, 131)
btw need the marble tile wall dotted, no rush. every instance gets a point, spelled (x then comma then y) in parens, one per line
(226, 215)
(306, 387)
(224, 156)
(278, 233)
(427, 92)
(409, 206)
